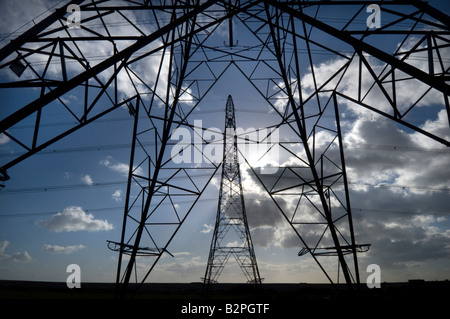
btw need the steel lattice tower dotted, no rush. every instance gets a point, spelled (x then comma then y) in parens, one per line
(160, 59)
(231, 214)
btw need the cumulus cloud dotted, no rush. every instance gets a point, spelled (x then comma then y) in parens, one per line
(87, 179)
(119, 167)
(21, 257)
(400, 239)
(15, 14)
(207, 229)
(4, 139)
(55, 249)
(408, 91)
(179, 268)
(127, 83)
(182, 253)
(403, 182)
(74, 218)
(412, 164)
(398, 178)
(117, 195)
(263, 236)
(409, 180)
(262, 211)
(67, 175)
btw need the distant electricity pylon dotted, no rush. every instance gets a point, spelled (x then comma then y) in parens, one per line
(160, 59)
(231, 232)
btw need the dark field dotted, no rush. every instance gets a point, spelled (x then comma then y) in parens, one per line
(282, 299)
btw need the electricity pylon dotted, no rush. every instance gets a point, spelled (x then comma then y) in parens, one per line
(231, 215)
(160, 59)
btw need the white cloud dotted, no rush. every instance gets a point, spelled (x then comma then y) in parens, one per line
(182, 253)
(398, 241)
(15, 14)
(408, 91)
(421, 173)
(263, 236)
(67, 175)
(87, 179)
(22, 257)
(417, 163)
(207, 229)
(234, 244)
(4, 139)
(412, 164)
(182, 268)
(119, 167)
(55, 249)
(439, 127)
(3, 245)
(420, 167)
(74, 218)
(117, 195)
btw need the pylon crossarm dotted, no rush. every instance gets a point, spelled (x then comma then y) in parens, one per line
(141, 251)
(331, 251)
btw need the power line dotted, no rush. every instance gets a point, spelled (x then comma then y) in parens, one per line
(38, 189)
(11, 215)
(81, 185)
(373, 210)
(365, 146)
(385, 185)
(8, 35)
(106, 209)
(117, 183)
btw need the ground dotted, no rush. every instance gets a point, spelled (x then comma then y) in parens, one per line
(228, 300)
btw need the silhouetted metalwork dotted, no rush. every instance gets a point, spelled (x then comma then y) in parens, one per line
(161, 58)
(231, 232)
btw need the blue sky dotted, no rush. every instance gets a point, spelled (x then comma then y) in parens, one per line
(62, 205)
